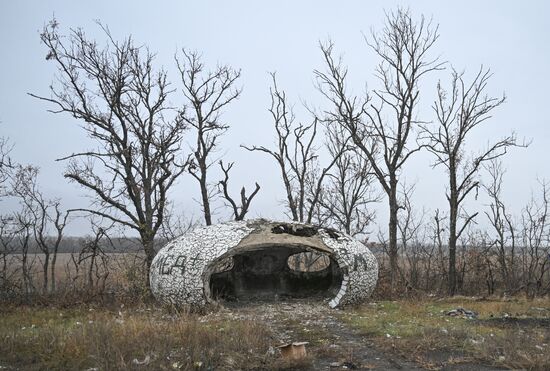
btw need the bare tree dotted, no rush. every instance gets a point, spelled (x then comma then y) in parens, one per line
(535, 235)
(16, 236)
(122, 102)
(502, 223)
(296, 156)
(207, 94)
(458, 111)
(403, 47)
(47, 220)
(6, 233)
(7, 237)
(175, 224)
(93, 254)
(409, 225)
(239, 212)
(6, 164)
(24, 230)
(438, 232)
(348, 194)
(428, 250)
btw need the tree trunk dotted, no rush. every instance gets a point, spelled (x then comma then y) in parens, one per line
(52, 270)
(4, 267)
(453, 216)
(26, 276)
(205, 200)
(503, 265)
(451, 288)
(91, 271)
(45, 272)
(149, 247)
(392, 247)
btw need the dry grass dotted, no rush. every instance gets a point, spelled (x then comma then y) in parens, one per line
(507, 333)
(514, 334)
(122, 329)
(140, 338)
(66, 270)
(123, 279)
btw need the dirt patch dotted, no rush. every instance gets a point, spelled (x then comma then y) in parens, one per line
(333, 345)
(336, 344)
(424, 332)
(507, 322)
(384, 336)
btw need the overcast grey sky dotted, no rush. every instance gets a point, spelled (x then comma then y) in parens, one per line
(510, 37)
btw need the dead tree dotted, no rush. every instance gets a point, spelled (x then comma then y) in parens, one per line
(175, 224)
(7, 248)
(6, 164)
(122, 102)
(93, 254)
(296, 157)
(428, 250)
(15, 241)
(458, 111)
(348, 193)
(409, 223)
(535, 236)
(403, 47)
(438, 232)
(23, 234)
(207, 94)
(239, 212)
(47, 220)
(6, 235)
(503, 225)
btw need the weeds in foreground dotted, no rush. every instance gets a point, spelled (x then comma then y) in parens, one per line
(82, 338)
(506, 333)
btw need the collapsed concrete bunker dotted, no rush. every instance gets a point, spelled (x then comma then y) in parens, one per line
(263, 260)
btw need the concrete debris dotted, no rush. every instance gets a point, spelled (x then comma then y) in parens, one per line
(145, 361)
(270, 351)
(349, 365)
(461, 312)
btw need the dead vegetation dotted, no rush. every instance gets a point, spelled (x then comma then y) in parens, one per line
(509, 333)
(138, 338)
(92, 310)
(503, 333)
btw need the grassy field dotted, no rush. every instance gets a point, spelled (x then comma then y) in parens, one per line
(140, 338)
(506, 333)
(512, 333)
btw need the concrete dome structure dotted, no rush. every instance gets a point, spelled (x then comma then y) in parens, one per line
(263, 260)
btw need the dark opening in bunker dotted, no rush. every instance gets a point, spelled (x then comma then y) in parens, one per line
(274, 273)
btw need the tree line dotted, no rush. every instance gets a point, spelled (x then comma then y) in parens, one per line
(333, 164)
